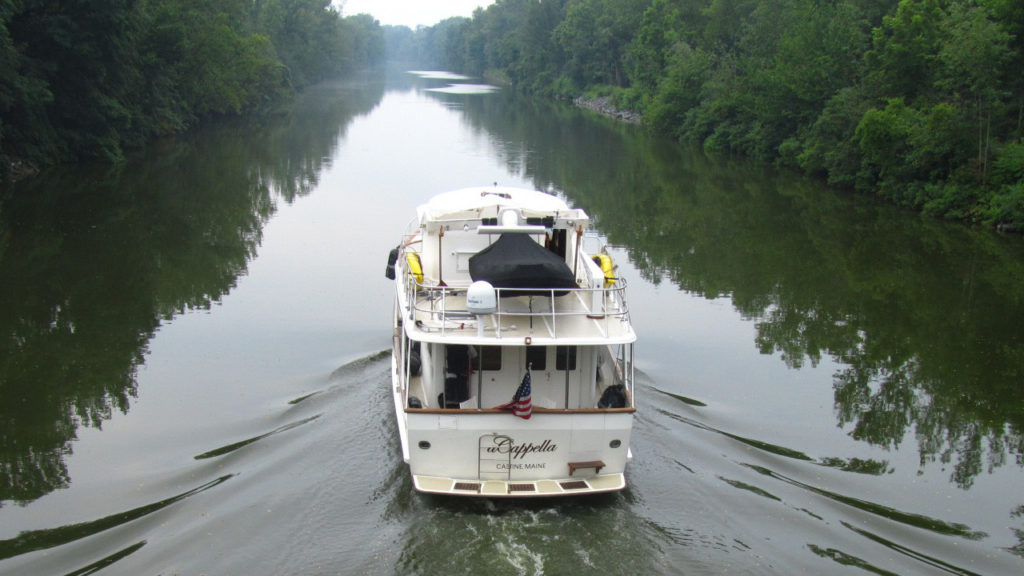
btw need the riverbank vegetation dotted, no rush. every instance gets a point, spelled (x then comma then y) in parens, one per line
(88, 79)
(917, 101)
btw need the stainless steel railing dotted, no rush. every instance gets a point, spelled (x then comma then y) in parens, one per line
(443, 308)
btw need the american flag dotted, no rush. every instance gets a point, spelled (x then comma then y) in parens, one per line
(521, 405)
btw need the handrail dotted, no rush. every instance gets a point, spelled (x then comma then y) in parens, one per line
(593, 299)
(433, 301)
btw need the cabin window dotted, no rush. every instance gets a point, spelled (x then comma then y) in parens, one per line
(565, 358)
(536, 356)
(488, 359)
(556, 242)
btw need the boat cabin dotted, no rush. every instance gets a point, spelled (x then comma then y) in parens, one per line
(475, 377)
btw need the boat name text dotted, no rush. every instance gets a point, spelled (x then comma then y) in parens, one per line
(505, 445)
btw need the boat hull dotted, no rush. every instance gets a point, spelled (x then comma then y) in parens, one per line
(492, 453)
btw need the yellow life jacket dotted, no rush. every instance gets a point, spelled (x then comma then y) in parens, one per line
(605, 262)
(413, 259)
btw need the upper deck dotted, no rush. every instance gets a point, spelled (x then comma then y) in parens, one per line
(583, 316)
(433, 274)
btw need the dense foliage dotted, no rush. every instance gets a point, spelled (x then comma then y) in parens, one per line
(86, 78)
(920, 101)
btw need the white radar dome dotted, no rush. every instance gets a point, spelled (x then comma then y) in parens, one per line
(480, 298)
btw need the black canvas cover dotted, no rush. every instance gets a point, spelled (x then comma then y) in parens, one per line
(516, 261)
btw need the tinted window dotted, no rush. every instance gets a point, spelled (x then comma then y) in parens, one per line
(537, 357)
(565, 358)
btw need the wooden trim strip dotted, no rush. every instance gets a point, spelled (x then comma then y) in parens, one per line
(536, 410)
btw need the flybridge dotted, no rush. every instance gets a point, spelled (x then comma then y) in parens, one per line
(530, 292)
(473, 207)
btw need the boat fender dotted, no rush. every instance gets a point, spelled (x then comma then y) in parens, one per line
(605, 262)
(413, 259)
(415, 402)
(389, 272)
(613, 397)
(415, 362)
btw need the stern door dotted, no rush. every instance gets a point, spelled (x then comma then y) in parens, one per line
(495, 463)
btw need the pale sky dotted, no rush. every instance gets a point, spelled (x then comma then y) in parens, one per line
(410, 12)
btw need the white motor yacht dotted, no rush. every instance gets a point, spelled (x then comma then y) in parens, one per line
(512, 363)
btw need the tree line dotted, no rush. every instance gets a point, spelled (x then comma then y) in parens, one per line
(918, 101)
(83, 79)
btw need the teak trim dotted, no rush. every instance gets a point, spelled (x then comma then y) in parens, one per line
(595, 464)
(536, 410)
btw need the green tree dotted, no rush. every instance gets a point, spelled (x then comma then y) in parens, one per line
(679, 94)
(663, 27)
(24, 94)
(726, 22)
(910, 155)
(828, 147)
(595, 35)
(818, 55)
(1005, 207)
(203, 59)
(900, 62)
(79, 56)
(972, 59)
(84, 79)
(540, 57)
(1010, 15)
(884, 136)
(362, 42)
(305, 36)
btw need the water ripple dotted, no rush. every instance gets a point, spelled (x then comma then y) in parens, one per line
(104, 562)
(240, 444)
(34, 540)
(845, 559)
(908, 518)
(933, 562)
(856, 465)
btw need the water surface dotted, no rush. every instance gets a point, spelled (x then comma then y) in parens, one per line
(193, 376)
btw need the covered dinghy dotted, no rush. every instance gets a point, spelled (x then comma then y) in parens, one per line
(516, 261)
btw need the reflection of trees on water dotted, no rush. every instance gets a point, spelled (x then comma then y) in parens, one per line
(91, 261)
(1018, 532)
(924, 316)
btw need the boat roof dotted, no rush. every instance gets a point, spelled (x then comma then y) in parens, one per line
(472, 203)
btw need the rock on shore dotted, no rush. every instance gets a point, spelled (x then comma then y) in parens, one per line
(604, 106)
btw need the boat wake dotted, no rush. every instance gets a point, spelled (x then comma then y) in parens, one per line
(824, 507)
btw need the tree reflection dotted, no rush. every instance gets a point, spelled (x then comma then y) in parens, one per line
(1018, 532)
(924, 316)
(92, 260)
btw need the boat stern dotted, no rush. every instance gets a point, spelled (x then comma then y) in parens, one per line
(500, 455)
(592, 484)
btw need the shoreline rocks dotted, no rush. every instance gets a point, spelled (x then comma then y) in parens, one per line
(603, 106)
